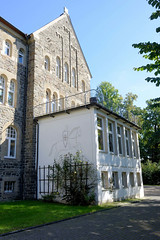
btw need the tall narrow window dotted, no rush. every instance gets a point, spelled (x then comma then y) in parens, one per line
(131, 178)
(47, 63)
(124, 180)
(119, 135)
(104, 177)
(100, 133)
(54, 103)
(138, 179)
(21, 56)
(61, 103)
(7, 48)
(11, 93)
(66, 73)
(83, 86)
(111, 139)
(58, 67)
(127, 141)
(73, 77)
(73, 104)
(2, 89)
(11, 136)
(134, 143)
(115, 180)
(47, 101)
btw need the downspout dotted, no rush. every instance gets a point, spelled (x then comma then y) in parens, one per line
(37, 156)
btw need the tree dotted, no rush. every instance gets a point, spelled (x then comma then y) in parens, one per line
(108, 96)
(151, 51)
(150, 133)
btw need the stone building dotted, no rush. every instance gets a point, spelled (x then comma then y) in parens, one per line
(44, 75)
(47, 65)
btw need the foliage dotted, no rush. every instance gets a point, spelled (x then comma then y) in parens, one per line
(109, 96)
(76, 179)
(151, 173)
(151, 51)
(150, 133)
(18, 215)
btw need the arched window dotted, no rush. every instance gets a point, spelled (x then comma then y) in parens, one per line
(66, 73)
(83, 86)
(47, 101)
(2, 89)
(11, 136)
(21, 56)
(11, 93)
(61, 103)
(54, 102)
(58, 67)
(73, 77)
(47, 63)
(7, 50)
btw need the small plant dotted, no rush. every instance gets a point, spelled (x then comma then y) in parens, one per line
(50, 197)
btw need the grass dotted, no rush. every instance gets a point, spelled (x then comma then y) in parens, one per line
(22, 214)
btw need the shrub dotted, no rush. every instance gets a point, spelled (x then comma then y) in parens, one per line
(151, 173)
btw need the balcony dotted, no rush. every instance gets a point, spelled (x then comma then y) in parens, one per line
(78, 100)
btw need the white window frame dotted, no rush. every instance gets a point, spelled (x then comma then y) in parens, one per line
(124, 180)
(119, 138)
(101, 130)
(54, 105)
(66, 73)
(21, 56)
(115, 180)
(12, 92)
(134, 144)
(111, 133)
(105, 180)
(74, 77)
(2, 88)
(9, 136)
(131, 179)
(7, 50)
(58, 67)
(127, 142)
(9, 186)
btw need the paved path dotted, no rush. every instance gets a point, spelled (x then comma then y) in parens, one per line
(136, 221)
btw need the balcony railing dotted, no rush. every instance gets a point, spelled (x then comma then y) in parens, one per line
(77, 100)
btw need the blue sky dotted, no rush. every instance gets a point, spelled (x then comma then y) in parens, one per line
(106, 31)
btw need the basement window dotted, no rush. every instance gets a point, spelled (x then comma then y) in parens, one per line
(9, 186)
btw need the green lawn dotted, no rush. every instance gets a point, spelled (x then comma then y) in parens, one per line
(22, 214)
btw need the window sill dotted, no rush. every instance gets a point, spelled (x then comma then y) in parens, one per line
(7, 157)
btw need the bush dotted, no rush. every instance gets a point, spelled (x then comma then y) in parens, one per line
(76, 179)
(151, 173)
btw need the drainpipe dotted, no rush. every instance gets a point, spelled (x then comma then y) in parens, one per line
(37, 156)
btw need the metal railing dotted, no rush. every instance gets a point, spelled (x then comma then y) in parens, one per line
(81, 99)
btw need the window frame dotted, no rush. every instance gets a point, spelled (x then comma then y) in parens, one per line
(3, 89)
(74, 77)
(58, 67)
(9, 140)
(127, 140)
(124, 180)
(66, 73)
(9, 186)
(7, 48)
(47, 63)
(120, 139)
(21, 56)
(47, 101)
(10, 91)
(100, 129)
(134, 146)
(132, 179)
(54, 103)
(115, 179)
(105, 180)
(83, 86)
(111, 133)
